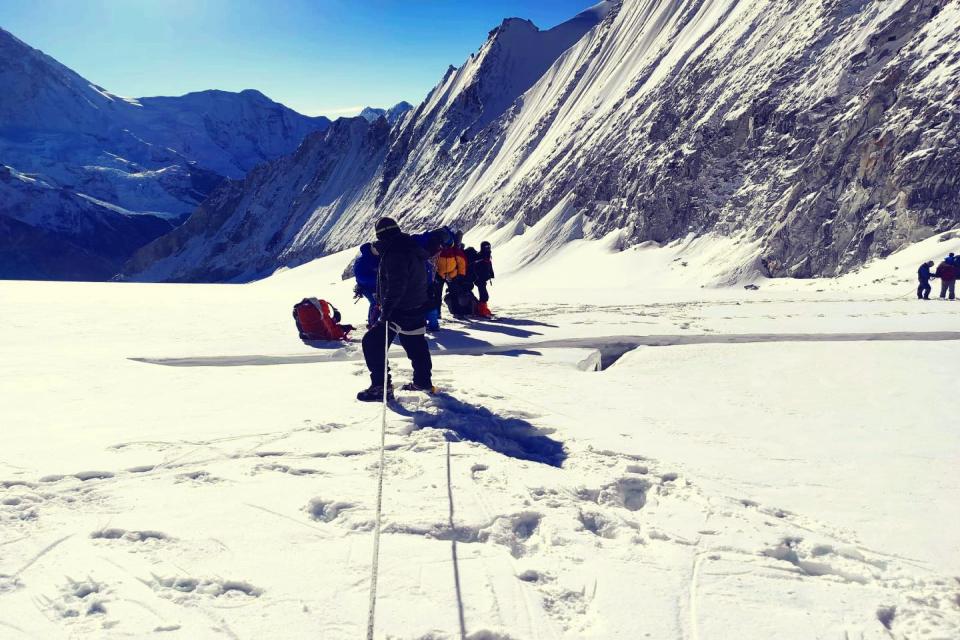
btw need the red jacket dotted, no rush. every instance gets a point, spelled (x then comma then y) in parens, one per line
(946, 271)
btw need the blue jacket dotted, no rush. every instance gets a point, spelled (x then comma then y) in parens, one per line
(365, 268)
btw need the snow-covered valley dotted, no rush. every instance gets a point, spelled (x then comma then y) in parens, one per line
(177, 464)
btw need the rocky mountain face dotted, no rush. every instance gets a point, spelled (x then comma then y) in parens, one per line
(821, 132)
(78, 163)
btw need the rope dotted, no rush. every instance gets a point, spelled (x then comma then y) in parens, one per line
(375, 565)
(453, 551)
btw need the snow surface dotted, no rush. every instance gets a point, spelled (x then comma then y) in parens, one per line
(176, 463)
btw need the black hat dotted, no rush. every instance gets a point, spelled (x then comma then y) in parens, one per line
(386, 228)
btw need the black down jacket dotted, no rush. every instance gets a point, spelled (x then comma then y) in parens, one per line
(402, 279)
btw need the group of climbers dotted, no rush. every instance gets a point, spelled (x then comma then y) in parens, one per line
(449, 265)
(947, 271)
(461, 269)
(402, 277)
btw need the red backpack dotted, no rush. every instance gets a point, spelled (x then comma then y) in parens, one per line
(319, 320)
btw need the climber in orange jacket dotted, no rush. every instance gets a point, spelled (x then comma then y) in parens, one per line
(452, 263)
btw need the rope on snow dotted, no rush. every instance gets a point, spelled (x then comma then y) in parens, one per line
(375, 565)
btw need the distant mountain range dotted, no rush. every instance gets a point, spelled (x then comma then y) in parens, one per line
(87, 177)
(818, 134)
(393, 114)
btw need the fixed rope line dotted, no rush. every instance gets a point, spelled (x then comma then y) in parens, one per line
(453, 551)
(375, 565)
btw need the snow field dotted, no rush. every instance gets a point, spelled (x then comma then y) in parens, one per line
(758, 490)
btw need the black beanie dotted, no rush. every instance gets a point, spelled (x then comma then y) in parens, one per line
(386, 228)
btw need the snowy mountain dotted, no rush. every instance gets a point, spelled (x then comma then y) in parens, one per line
(101, 160)
(820, 134)
(393, 114)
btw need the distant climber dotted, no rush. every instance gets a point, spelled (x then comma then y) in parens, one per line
(947, 272)
(924, 275)
(402, 293)
(482, 275)
(452, 261)
(365, 271)
(451, 264)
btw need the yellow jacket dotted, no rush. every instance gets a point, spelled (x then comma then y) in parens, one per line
(451, 263)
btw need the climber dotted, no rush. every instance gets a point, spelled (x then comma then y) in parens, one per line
(924, 275)
(432, 242)
(947, 272)
(365, 271)
(451, 264)
(402, 292)
(482, 275)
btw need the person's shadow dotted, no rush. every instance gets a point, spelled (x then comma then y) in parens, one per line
(327, 345)
(514, 437)
(455, 339)
(523, 322)
(496, 327)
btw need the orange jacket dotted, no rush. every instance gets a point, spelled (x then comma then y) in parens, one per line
(451, 263)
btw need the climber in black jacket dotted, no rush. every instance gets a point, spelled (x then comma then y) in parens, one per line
(402, 292)
(924, 275)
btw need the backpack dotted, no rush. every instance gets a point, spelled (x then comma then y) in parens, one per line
(319, 320)
(472, 257)
(460, 299)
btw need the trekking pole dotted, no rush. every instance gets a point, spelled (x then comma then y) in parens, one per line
(375, 565)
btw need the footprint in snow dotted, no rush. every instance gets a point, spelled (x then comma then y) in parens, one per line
(85, 476)
(628, 492)
(327, 510)
(130, 536)
(78, 600)
(198, 477)
(181, 589)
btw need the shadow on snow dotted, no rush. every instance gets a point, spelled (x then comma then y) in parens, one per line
(496, 327)
(513, 437)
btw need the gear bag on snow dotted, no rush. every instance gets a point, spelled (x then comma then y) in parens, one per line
(319, 320)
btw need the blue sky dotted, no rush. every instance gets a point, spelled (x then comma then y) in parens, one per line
(321, 57)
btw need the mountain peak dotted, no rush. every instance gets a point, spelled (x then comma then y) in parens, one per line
(394, 113)
(255, 95)
(520, 24)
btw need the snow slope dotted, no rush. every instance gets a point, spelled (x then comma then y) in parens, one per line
(155, 157)
(179, 464)
(824, 132)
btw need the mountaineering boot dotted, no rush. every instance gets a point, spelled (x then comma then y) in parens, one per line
(413, 386)
(374, 393)
(484, 310)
